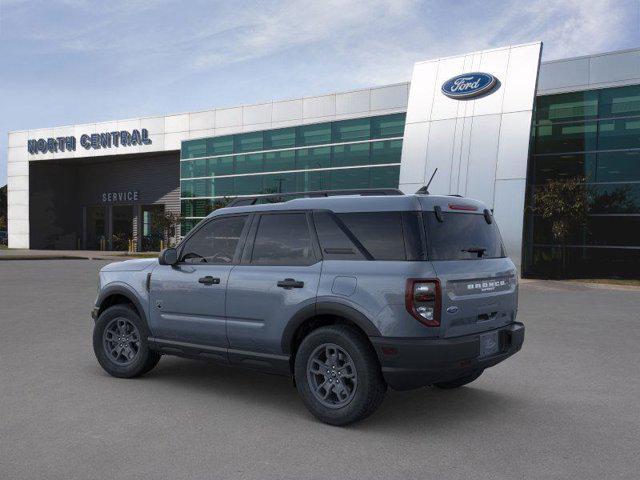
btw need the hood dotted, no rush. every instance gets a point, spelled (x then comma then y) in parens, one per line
(130, 265)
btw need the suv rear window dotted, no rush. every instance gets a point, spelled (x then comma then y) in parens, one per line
(462, 236)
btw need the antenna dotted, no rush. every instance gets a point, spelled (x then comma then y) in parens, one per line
(425, 190)
(431, 179)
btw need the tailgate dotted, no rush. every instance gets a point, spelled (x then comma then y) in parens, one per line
(477, 295)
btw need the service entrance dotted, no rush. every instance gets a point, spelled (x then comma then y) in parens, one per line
(124, 227)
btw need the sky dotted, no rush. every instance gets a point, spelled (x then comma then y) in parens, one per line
(65, 62)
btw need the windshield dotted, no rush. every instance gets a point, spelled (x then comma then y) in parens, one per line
(462, 236)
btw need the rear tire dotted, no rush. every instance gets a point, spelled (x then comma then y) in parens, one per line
(459, 382)
(338, 375)
(120, 343)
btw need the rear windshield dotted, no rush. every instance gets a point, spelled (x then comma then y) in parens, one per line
(462, 236)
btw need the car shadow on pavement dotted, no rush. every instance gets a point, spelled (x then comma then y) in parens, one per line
(430, 407)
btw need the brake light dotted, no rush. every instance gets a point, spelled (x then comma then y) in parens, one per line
(459, 206)
(423, 300)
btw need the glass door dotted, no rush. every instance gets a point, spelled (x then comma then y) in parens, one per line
(96, 227)
(122, 224)
(152, 228)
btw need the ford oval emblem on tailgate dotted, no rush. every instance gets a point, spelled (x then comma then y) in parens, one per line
(452, 309)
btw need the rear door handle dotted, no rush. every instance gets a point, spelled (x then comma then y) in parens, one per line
(209, 280)
(289, 283)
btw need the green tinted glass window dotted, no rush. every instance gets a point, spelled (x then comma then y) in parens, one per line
(347, 155)
(549, 167)
(388, 126)
(186, 188)
(186, 208)
(250, 163)
(221, 166)
(194, 148)
(283, 160)
(349, 178)
(248, 142)
(618, 166)
(220, 145)
(384, 177)
(186, 169)
(319, 157)
(620, 102)
(352, 130)
(311, 181)
(279, 183)
(388, 151)
(313, 134)
(574, 137)
(566, 107)
(221, 187)
(280, 138)
(615, 134)
(249, 185)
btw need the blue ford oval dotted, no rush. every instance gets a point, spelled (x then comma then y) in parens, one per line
(469, 85)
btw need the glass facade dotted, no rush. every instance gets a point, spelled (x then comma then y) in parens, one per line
(593, 135)
(358, 153)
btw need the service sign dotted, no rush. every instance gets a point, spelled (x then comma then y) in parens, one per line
(469, 85)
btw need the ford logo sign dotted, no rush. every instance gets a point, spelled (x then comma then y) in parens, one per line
(469, 85)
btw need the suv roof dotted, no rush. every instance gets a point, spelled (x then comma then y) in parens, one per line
(366, 203)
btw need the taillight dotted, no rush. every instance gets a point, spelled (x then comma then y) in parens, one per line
(422, 299)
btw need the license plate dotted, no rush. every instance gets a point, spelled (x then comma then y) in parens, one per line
(489, 344)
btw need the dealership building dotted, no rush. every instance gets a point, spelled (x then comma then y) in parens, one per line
(496, 124)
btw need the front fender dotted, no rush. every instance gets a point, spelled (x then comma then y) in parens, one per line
(126, 290)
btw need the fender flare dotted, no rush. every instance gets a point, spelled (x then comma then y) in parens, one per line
(126, 291)
(327, 308)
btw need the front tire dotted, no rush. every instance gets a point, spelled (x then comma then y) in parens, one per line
(120, 343)
(338, 376)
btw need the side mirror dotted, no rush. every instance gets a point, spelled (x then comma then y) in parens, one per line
(168, 256)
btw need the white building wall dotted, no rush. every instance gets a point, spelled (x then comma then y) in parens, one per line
(479, 146)
(167, 133)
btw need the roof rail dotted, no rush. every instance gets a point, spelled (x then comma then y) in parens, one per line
(284, 197)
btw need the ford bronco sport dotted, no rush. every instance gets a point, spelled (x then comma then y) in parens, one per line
(348, 294)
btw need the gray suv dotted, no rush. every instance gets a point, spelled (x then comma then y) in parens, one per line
(347, 294)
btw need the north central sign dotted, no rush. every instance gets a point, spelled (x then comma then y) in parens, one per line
(469, 85)
(93, 141)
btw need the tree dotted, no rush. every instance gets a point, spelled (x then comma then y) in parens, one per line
(166, 224)
(565, 204)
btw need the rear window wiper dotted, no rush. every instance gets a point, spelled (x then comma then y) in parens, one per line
(479, 250)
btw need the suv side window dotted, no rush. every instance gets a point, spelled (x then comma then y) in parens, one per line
(379, 232)
(334, 242)
(216, 242)
(283, 239)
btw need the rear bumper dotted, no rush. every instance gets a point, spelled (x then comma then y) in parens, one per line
(412, 363)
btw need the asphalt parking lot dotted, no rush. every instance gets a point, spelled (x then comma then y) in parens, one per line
(566, 407)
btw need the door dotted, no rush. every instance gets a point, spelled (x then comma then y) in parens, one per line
(151, 231)
(122, 227)
(188, 299)
(96, 227)
(278, 276)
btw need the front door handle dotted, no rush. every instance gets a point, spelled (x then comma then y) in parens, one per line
(289, 283)
(209, 280)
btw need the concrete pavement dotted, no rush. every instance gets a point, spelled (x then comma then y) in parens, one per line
(566, 407)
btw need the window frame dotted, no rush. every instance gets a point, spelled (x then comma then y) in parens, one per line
(205, 222)
(247, 251)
